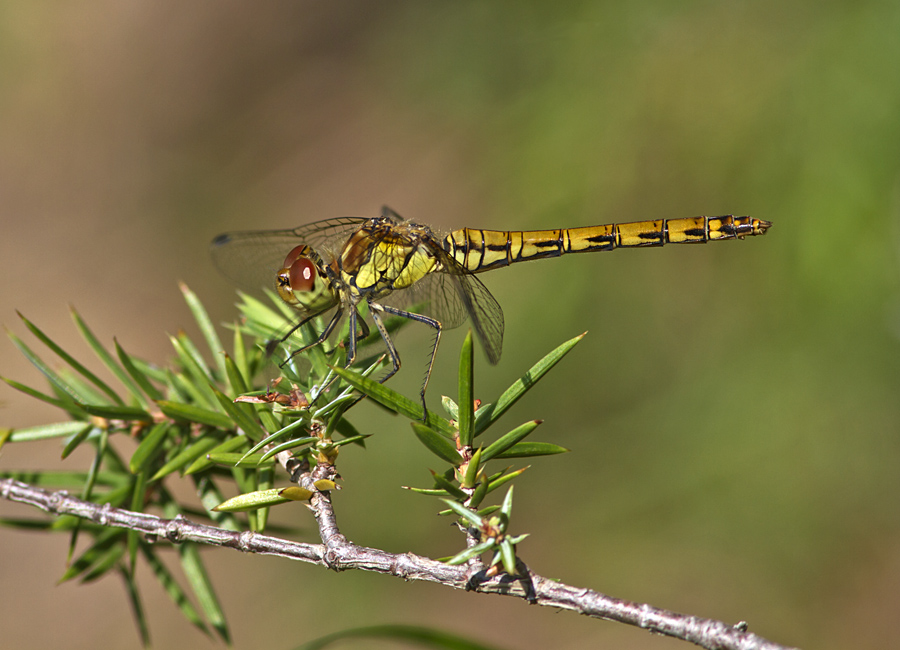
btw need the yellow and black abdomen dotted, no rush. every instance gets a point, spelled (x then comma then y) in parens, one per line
(482, 250)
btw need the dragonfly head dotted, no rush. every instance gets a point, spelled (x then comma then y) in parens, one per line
(302, 283)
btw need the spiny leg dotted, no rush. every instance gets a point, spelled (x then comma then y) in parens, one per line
(274, 343)
(375, 311)
(352, 344)
(365, 330)
(395, 358)
(353, 341)
(338, 314)
(322, 337)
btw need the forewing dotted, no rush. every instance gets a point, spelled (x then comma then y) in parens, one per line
(252, 259)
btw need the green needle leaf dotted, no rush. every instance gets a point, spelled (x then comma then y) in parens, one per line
(406, 634)
(135, 373)
(508, 555)
(205, 462)
(195, 367)
(205, 324)
(126, 413)
(230, 459)
(77, 439)
(146, 450)
(5, 433)
(171, 587)
(466, 389)
(505, 479)
(452, 490)
(44, 431)
(94, 553)
(272, 437)
(506, 508)
(62, 354)
(508, 440)
(189, 413)
(472, 470)
(241, 414)
(478, 495)
(203, 590)
(137, 606)
(104, 564)
(393, 400)
(436, 443)
(287, 445)
(428, 491)
(235, 376)
(68, 406)
(255, 500)
(64, 389)
(104, 355)
(469, 553)
(353, 440)
(531, 449)
(188, 455)
(490, 414)
(470, 517)
(90, 481)
(138, 496)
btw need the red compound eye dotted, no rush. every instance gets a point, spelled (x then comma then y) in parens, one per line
(302, 274)
(296, 252)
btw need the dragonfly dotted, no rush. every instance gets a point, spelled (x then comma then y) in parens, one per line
(402, 268)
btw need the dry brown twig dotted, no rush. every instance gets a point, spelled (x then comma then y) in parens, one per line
(339, 554)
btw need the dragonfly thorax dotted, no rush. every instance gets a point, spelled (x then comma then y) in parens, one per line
(385, 256)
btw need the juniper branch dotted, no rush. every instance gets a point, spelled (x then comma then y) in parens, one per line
(340, 554)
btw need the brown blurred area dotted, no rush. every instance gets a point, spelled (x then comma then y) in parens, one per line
(732, 412)
(132, 135)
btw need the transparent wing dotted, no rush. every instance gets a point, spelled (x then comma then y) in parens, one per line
(251, 259)
(450, 296)
(436, 295)
(485, 311)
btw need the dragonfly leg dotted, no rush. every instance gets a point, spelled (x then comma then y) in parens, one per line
(364, 327)
(375, 310)
(353, 341)
(322, 337)
(271, 344)
(431, 322)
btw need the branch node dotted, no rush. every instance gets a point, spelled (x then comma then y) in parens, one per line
(403, 566)
(475, 577)
(245, 541)
(55, 500)
(332, 560)
(103, 515)
(173, 529)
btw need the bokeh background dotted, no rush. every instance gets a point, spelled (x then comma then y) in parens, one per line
(733, 412)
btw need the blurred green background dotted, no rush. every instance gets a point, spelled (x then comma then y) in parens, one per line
(733, 410)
